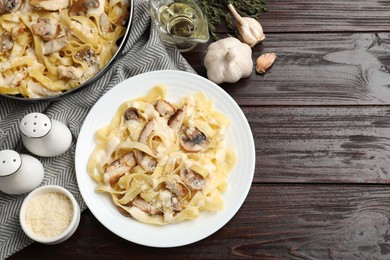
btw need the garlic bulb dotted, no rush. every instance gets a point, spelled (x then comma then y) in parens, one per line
(250, 30)
(228, 60)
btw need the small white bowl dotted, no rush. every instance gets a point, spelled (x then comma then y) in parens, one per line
(68, 232)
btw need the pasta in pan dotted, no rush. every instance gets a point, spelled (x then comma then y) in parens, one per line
(51, 46)
(164, 162)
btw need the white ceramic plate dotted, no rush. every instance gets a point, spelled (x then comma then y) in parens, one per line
(179, 84)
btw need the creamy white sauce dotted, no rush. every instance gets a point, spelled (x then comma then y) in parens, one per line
(151, 112)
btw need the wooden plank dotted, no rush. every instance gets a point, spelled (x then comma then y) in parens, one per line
(275, 222)
(285, 16)
(331, 16)
(321, 144)
(312, 222)
(314, 69)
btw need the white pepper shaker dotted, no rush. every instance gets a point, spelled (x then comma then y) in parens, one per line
(44, 136)
(19, 173)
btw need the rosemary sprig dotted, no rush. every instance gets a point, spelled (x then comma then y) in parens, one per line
(215, 9)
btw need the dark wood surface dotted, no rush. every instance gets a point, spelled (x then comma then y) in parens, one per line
(321, 124)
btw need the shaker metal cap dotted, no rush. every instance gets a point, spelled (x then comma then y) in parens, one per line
(10, 162)
(35, 125)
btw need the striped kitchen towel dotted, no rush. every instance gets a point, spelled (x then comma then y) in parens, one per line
(143, 52)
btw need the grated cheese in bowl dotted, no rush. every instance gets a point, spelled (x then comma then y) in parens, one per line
(49, 214)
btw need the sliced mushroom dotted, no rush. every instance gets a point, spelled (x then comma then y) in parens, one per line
(105, 23)
(47, 29)
(131, 114)
(6, 43)
(148, 163)
(9, 6)
(176, 120)
(192, 179)
(140, 203)
(164, 107)
(49, 5)
(55, 45)
(193, 140)
(86, 55)
(81, 7)
(70, 72)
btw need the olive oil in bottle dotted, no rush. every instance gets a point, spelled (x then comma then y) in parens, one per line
(179, 19)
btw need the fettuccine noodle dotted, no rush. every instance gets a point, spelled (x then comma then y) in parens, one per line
(48, 47)
(164, 162)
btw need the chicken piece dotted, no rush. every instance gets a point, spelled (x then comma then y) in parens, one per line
(176, 205)
(168, 202)
(147, 162)
(117, 168)
(37, 90)
(70, 72)
(148, 129)
(55, 45)
(49, 5)
(123, 211)
(140, 203)
(129, 160)
(164, 107)
(176, 188)
(47, 29)
(18, 30)
(122, 19)
(111, 177)
(81, 7)
(18, 77)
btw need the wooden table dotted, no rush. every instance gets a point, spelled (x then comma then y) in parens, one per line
(321, 123)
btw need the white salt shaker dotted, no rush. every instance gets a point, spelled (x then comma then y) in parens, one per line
(19, 173)
(44, 136)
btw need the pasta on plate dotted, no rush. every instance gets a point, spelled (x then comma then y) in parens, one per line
(164, 162)
(51, 46)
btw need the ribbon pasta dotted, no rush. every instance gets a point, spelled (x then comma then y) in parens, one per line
(163, 162)
(47, 49)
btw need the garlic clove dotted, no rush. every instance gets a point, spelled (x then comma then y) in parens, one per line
(265, 61)
(250, 30)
